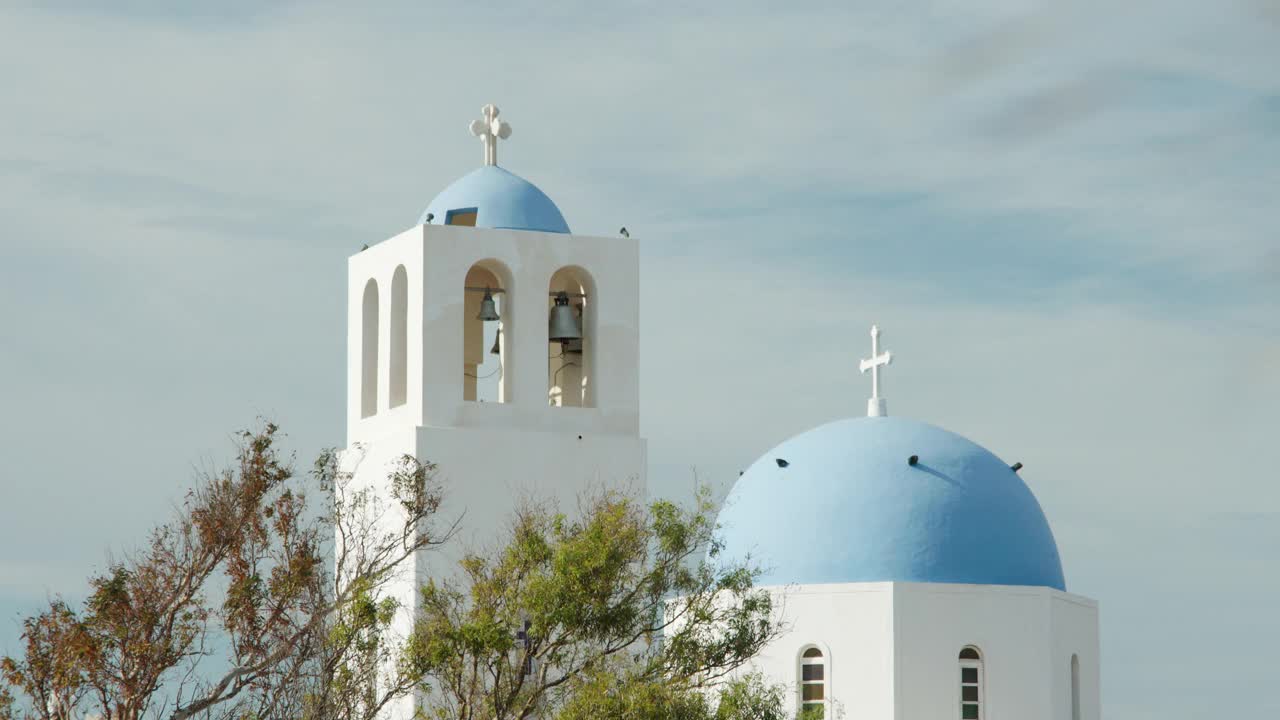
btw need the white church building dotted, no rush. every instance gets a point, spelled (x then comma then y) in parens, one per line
(918, 576)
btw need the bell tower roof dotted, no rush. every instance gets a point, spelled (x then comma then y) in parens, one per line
(492, 197)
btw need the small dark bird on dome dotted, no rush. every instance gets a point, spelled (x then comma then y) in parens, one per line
(430, 217)
(623, 232)
(781, 462)
(363, 248)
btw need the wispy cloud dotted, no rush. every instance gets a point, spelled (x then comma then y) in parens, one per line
(1062, 214)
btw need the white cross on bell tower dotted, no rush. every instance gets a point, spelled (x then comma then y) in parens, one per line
(489, 129)
(876, 406)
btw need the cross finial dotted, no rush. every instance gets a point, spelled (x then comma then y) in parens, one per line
(489, 128)
(876, 406)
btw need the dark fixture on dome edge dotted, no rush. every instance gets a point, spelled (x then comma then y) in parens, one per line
(430, 217)
(781, 463)
(1016, 467)
(913, 460)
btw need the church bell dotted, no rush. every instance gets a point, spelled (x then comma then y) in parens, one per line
(488, 311)
(497, 343)
(564, 324)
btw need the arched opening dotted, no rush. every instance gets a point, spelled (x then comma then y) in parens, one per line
(485, 315)
(571, 338)
(399, 373)
(813, 684)
(369, 351)
(971, 692)
(1075, 687)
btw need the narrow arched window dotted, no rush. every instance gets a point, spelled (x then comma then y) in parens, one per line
(369, 351)
(1075, 687)
(486, 318)
(971, 692)
(813, 684)
(399, 370)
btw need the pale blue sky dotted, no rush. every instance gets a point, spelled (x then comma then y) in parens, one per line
(1063, 216)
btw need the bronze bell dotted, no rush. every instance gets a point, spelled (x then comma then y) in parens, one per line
(564, 325)
(488, 311)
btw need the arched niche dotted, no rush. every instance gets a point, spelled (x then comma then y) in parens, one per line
(484, 342)
(1075, 687)
(571, 365)
(398, 380)
(369, 350)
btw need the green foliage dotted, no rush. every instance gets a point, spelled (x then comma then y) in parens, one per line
(621, 610)
(606, 695)
(613, 610)
(751, 698)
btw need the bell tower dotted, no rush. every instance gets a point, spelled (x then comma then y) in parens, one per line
(495, 343)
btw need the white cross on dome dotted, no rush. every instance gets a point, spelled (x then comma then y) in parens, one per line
(489, 129)
(876, 406)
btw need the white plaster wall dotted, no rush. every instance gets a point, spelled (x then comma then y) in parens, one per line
(493, 456)
(1020, 632)
(853, 625)
(379, 263)
(488, 472)
(893, 648)
(1075, 631)
(532, 258)
(437, 258)
(371, 463)
(1009, 626)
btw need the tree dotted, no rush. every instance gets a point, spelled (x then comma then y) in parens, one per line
(614, 613)
(238, 607)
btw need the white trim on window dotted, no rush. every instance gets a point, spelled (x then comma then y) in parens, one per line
(813, 679)
(972, 684)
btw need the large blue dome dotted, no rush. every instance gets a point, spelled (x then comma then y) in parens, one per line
(848, 507)
(499, 199)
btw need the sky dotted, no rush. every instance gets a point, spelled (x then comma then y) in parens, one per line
(1062, 215)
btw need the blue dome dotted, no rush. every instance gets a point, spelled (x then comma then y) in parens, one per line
(500, 199)
(849, 508)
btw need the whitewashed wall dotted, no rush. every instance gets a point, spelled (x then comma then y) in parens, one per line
(893, 648)
(493, 456)
(437, 259)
